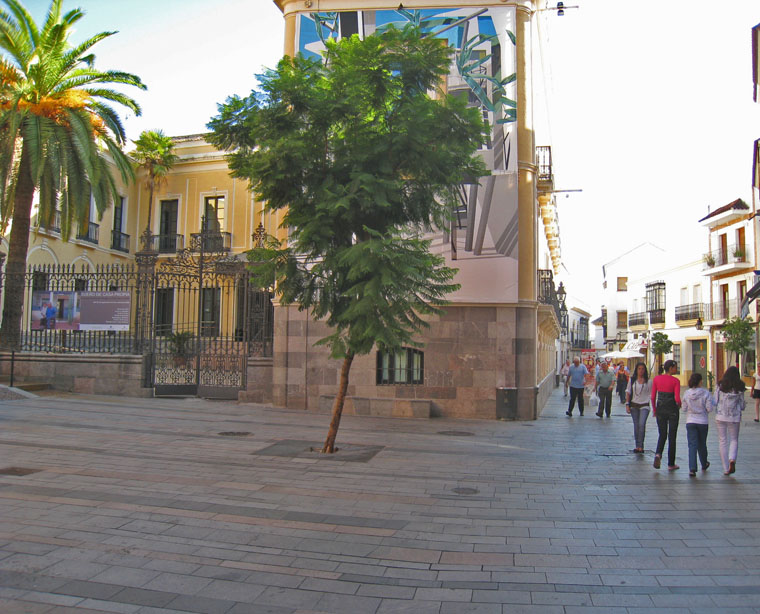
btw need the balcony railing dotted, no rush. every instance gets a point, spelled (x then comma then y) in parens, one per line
(53, 226)
(690, 312)
(119, 241)
(165, 243)
(90, 234)
(637, 319)
(732, 254)
(544, 163)
(211, 241)
(657, 316)
(722, 310)
(580, 344)
(547, 293)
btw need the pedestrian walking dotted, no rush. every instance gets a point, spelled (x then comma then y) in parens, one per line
(565, 372)
(730, 403)
(666, 400)
(605, 382)
(622, 382)
(637, 404)
(697, 403)
(756, 393)
(577, 376)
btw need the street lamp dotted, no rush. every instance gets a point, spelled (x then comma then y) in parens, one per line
(561, 293)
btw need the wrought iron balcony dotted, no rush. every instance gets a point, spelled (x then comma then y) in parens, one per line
(120, 241)
(722, 310)
(163, 244)
(547, 293)
(91, 234)
(690, 312)
(54, 225)
(657, 316)
(544, 163)
(733, 254)
(638, 319)
(211, 241)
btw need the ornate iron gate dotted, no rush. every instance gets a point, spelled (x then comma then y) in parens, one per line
(206, 321)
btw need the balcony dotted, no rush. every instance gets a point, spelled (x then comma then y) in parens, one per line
(119, 241)
(545, 171)
(638, 319)
(211, 241)
(733, 258)
(54, 226)
(164, 243)
(657, 316)
(89, 234)
(722, 310)
(547, 293)
(686, 315)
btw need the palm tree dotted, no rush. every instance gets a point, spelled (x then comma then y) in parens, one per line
(155, 155)
(56, 127)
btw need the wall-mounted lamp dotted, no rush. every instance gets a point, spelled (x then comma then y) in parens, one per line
(560, 8)
(699, 325)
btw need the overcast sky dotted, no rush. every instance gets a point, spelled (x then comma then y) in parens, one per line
(650, 109)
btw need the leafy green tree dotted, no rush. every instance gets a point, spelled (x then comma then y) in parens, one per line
(660, 344)
(154, 153)
(361, 160)
(55, 123)
(739, 333)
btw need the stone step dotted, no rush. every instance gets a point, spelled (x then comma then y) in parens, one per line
(28, 386)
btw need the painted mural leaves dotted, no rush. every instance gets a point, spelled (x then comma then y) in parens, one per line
(471, 63)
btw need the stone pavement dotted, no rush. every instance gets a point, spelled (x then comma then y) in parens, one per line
(145, 506)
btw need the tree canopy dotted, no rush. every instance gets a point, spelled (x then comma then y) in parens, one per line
(56, 123)
(362, 154)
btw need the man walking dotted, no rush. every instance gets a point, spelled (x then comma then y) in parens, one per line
(565, 373)
(576, 376)
(605, 382)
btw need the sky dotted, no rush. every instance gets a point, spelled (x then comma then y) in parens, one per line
(650, 106)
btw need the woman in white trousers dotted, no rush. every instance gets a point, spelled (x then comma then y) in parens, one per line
(730, 403)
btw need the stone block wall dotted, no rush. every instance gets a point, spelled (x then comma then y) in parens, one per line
(120, 375)
(470, 351)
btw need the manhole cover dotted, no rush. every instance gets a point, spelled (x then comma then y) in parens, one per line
(235, 434)
(18, 471)
(465, 491)
(456, 433)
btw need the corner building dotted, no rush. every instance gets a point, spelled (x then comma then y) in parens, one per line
(491, 354)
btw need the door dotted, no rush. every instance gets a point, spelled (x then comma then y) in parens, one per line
(723, 256)
(167, 241)
(699, 359)
(720, 364)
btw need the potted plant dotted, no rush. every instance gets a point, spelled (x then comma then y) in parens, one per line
(739, 254)
(710, 260)
(180, 346)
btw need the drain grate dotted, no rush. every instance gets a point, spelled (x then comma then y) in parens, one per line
(18, 471)
(234, 433)
(456, 433)
(465, 491)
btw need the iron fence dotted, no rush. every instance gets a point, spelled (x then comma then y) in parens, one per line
(223, 309)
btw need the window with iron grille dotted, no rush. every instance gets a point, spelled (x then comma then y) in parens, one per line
(656, 296)
(406, 366)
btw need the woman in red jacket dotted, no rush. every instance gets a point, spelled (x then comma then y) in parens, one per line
(666, 401)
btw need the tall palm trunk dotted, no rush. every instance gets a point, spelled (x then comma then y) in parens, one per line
(332, 433)
(148, 230)
(13, 305)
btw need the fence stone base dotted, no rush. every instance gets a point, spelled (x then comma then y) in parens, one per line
(120, 375)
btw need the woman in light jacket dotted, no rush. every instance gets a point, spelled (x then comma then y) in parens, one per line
(637, 404)
(730, 403)
(697, 403)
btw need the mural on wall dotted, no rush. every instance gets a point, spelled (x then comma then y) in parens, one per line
(483, 69)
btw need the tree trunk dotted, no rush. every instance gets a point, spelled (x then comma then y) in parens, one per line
(150, 209)
(340, 398)
(15, 268)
